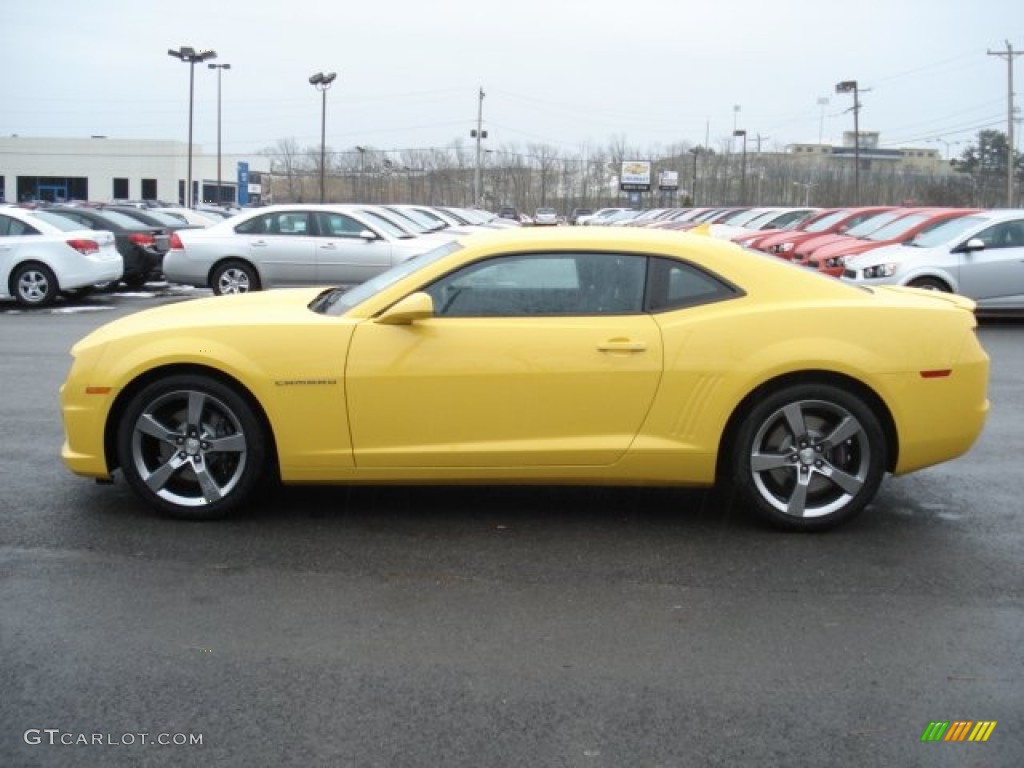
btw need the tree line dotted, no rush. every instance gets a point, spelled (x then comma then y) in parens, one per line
(539, 175)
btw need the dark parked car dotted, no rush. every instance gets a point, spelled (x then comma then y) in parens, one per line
(137, 243)
(577, 212)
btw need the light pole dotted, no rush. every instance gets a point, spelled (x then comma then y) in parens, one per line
(322, 82)
(743, 166)
(850, 86)
(807, 191)
(220, 69)
(190, 57)
(948, 144)
(695, 151)
(361, 196)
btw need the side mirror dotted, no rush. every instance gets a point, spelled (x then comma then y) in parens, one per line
(368, 235)
(415, 306)
(974, 244)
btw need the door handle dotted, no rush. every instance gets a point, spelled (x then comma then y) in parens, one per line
(260, 243)
(328, 246)
(622, 345)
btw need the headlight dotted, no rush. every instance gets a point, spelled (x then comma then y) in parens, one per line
(835, 261)
(783, 247)
(880, 270)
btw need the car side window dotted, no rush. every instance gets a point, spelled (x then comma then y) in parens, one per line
(338, 225)
(294, 223)
(677, 284)
(1006, 234)
(13, 228)
(541, 284)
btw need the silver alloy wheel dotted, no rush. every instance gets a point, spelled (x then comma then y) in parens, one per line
(189, 448)
(33, 286)
(810, 458)
(233, 280)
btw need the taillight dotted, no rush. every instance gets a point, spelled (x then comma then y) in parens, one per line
(85, 247)
(141, 239)
(175, 242)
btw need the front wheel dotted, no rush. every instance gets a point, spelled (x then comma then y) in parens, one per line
(234, 277)
(929, 284)
(191, 446)
(809, 457)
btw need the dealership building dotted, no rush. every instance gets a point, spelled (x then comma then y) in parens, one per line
(102, 169)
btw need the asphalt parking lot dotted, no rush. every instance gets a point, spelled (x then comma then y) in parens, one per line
(494, 626)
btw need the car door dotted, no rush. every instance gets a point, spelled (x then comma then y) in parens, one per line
(345, 255)
(281, 245)
(994, 275)
(530, 360)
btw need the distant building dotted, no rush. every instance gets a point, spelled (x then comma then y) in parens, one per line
(103, 169)
(872, 156)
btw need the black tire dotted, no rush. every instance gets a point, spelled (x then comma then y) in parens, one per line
(134, 281)
(34, 285)
(191, 447)
(234, 277)
(808, 457)
(930, 284)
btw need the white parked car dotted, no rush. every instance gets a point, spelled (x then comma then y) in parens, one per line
(290, 245)
(545, 217)
(43, 255)
(980, 256)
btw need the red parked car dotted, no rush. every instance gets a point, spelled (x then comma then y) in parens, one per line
(831, 259)
(782, 245)
(878, 218)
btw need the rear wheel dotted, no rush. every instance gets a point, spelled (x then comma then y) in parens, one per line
(191, 446)
(234, 277)
(34, 285)
(809, 457)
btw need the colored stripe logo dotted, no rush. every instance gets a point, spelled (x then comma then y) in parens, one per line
(958, 730)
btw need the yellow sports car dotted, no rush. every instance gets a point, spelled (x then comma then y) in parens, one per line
(558, 356)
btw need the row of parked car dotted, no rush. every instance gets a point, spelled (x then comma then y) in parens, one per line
(973, 252)
(46, 251)
(52, 250)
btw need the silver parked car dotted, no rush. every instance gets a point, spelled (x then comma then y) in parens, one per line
(291, 245)
(980, 256)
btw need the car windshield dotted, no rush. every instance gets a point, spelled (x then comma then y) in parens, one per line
(125, 221)
(426, 223)
(824, 223)
(871, 224)
(386, 225)
(946, 232)
(337, 301)
(61, 223)
(897, 228)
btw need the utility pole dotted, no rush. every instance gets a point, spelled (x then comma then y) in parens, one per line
(478, 134)
(850, 86)
(1008, 54)
(759, 138)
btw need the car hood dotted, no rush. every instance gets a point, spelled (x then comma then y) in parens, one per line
(278, 307)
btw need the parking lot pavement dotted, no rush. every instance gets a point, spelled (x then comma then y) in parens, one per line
(482, 626)
(101, 301)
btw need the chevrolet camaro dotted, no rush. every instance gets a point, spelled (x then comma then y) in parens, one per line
(544, 356)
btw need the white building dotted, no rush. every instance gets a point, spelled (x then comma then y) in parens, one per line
(103, 169)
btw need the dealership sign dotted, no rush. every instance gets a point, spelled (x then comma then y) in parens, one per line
(635, 176)
(668, 181)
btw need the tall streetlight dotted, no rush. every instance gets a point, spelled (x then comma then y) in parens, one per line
(743, 167)
(947, 144)
(695, 151)
(850, 86)
(191, 57)
(220, 69)
(322, 82)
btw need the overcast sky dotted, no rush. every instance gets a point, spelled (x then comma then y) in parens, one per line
(558, 72)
